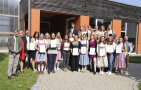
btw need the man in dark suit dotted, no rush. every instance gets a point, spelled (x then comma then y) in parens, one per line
(26, 40)
(72, 30)
(15, 47)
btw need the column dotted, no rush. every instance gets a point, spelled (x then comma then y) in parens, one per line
(81, 21)
(116, 26)
(139, 39)
(35, 21)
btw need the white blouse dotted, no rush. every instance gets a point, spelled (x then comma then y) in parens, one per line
(111, 48)
(101, 49)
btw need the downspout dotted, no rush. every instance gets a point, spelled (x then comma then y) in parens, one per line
(29, 15)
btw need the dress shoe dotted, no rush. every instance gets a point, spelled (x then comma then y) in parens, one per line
(48, 72)
(15, 75)
(53, 71)
(94, 73)
(9, 77)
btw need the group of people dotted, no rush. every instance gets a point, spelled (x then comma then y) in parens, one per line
(96, 48)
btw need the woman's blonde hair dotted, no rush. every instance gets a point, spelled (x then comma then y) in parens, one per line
(47, 34)
(60, 39)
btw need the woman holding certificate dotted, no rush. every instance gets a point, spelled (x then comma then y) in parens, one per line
(47, 38)
(32, 50)
(110, 53)
(120, 56)
(75, 50)
(65, 47)
(102, 31)
(41, 56)
(83, 60)
(71, 37)
(79, 36)
(102, 61)
(58, 57)
(52, 53)
(92, 52)
(110, 31)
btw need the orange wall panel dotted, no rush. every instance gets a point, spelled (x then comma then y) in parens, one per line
(116, 26)
(81, 21)
(139, 39)
(35, 21)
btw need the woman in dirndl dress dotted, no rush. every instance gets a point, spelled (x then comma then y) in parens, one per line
(41, 55)
(102, 61)
(59, 55)
(120, 62)
(84, 60)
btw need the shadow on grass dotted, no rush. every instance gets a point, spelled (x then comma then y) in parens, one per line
(3, 56)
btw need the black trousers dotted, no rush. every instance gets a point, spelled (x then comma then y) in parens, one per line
(28, 61)
(75, 63)
(66, 57)
(27, 64)
(51, 62)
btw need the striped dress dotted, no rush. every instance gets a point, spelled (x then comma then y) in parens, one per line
(41, 57)
(84, 58)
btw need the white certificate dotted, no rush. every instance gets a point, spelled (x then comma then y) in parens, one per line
(53, 43)
(111, 32)
(71, 39)
(92, 51)
(75, 51)
(102, 51)
(119, 49)
(110, 48)
(42, 49)
(59, 44)
(27, 46)
(66, 45)
(83, 50)
(32, 46)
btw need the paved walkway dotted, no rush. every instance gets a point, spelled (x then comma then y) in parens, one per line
(87, 81)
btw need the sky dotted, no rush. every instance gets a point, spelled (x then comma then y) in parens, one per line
(130, 2)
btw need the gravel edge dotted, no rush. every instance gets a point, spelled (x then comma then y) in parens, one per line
(135, 85)
(37, 84)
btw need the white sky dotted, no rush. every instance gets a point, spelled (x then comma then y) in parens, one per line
(130, 2)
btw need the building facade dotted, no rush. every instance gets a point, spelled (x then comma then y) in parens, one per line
(56, 15)
(8, 20)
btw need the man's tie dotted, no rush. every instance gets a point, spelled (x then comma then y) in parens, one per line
(16, 43)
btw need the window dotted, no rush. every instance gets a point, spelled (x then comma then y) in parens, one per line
(99, 22)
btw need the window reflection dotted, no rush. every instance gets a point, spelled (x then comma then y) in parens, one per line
(8, 7)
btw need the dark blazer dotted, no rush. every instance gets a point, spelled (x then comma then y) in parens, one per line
(25, 41)
(11, 42)
(75, 31)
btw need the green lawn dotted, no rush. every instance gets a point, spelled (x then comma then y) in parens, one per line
(135, 59)
(139, 86)
(23, 82)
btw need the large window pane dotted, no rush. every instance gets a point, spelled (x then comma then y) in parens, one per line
(1, 6)
(8, 24)
(131, 33)
(5, 7)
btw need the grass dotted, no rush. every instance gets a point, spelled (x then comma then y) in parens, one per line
(23, 82)
(135, 59)
(139, 86)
